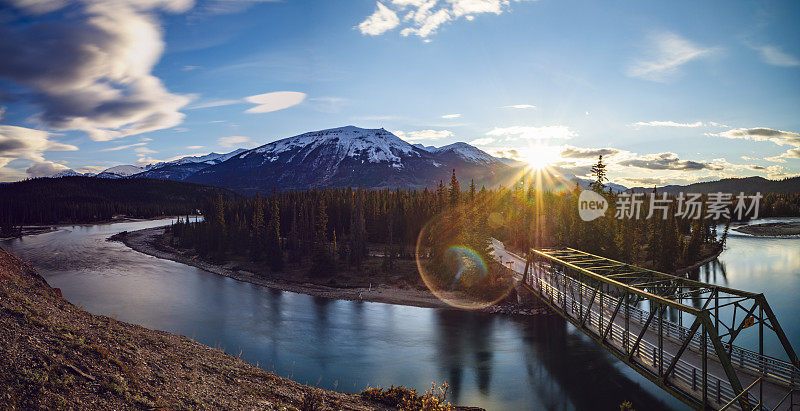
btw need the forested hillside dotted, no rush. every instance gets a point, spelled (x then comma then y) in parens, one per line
(85, 199)
(334, 226)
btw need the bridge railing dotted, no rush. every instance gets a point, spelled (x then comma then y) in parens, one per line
(757, 364)
(684, 374)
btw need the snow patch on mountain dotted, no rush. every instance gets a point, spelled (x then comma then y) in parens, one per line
(66, 173)
(210, 159)
(467, 152)
(376, 145)
(121, 171)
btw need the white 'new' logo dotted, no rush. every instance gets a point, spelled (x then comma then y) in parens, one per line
(591, 205)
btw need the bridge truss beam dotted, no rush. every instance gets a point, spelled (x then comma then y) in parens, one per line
(591, 291)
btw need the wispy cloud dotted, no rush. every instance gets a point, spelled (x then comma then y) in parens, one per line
(126, 146)
(668, 161)
(779, 137)
(450, 116)
(213, 103)
(775, 56)
(279, 100)
(520, 106)
(482, 141)
(194, 147)
(667, 52)
(235, 141)
(578, 152)
(144, 150)
(667, 124)
(423, 135)
(533, 133)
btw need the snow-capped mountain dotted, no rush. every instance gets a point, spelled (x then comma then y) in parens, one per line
(66, 173)
(185, 166)
(122, 171)
(348, 156)
(466, 152)
(208, 159)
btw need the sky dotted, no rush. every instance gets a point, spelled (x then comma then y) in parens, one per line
(668, 92)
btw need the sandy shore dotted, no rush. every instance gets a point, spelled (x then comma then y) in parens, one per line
(779, 229)
(146, 241)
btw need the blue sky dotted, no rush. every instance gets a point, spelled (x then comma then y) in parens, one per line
(671, 92)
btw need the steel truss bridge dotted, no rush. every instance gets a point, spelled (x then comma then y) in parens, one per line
(678, 333)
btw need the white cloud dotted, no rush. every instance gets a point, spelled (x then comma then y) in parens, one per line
(667, 124)
(424, 17)
(762, 134)
(779, 137)
(232, 141)
(275, 101)
(775, 56)
(213, 103)
(126, 146)
(45, 169)
(482, 141)
(423, 135)
(449, 116)
(533, 133)
(194, 147)
(520, 106)
(669, 161)
(381, 21)
(25, 143)
(667, 53)
(92, 70)
(144, 150)
(588, 153)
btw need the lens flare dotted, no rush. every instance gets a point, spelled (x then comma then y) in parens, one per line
(454, 261)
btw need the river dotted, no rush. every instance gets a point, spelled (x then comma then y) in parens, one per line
(492, 361)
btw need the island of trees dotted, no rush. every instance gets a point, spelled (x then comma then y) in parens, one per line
(327, 230)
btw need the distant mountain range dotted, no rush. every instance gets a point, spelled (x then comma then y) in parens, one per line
(351, 156)
(375, 158)
(731, 185)
(338, 157)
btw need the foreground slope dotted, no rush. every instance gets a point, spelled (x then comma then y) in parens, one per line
(55, 355)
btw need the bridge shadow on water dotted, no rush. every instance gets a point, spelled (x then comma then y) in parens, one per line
(565, 370)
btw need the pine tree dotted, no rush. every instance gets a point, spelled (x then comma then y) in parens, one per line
(358, 233)
(322, 263)
(293, 245)
(455, 190)
(257, 232)
(472, 190)
(599, 171)
(273, 249)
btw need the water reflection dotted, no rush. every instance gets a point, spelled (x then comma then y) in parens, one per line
(496, 362)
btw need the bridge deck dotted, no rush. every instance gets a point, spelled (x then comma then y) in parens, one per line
(570, 298)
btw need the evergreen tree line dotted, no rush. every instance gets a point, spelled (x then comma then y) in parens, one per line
(83, 200)
(327, 227)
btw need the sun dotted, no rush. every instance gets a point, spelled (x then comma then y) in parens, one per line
(540, 156)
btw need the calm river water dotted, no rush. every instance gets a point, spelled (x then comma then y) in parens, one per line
(492, 361)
